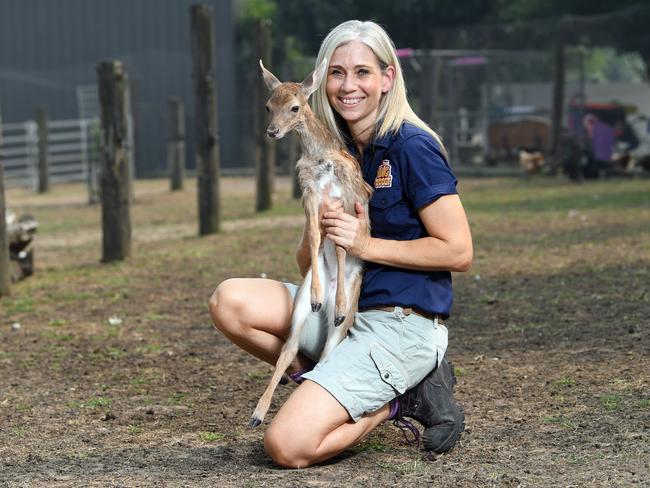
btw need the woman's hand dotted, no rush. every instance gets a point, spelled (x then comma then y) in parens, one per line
(328, 205)
(351, 233)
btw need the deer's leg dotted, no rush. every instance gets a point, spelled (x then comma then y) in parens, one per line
(311, 204)
(289, 351)
(341, 305)
(338, 334)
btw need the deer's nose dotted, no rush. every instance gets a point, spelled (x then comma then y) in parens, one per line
(272, 132)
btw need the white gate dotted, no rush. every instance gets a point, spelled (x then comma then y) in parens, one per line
(73, 152)
(19, 153)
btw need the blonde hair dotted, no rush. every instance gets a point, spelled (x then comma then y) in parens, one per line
(394, 108)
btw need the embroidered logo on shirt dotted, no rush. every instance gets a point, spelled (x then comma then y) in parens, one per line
(384, 178)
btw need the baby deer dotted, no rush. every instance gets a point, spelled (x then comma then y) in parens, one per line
(334, 280)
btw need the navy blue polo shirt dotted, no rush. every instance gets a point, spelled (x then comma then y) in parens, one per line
(407, 171)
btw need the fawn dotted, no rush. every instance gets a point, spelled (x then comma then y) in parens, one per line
(334, 280)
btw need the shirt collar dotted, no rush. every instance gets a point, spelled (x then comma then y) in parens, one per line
(382, 142)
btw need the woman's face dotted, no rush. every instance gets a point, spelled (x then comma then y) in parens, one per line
(355, 85)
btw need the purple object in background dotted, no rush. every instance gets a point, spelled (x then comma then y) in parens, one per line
(603, 139)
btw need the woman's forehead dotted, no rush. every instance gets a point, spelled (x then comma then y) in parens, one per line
(352, 54)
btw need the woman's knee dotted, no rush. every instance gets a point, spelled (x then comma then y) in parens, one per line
(285, 449)
(225, 306)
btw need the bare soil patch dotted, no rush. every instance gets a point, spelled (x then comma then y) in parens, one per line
(116, 377)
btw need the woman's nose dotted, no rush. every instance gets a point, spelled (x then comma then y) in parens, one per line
(348, 84)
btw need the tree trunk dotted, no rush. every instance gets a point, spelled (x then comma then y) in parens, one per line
(115, 175)
(558, 97)
(265, 151)
(176, 144)
(43, 164)
(205, 109)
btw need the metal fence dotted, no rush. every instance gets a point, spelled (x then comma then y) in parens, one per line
(73, 152)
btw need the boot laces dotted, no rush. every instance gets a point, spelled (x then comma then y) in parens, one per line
(405, 426)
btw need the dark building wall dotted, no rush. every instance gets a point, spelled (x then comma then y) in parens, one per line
(48, 48)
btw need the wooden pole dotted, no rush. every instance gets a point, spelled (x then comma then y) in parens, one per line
(265, 152)
(5, 269)
(43, 164)
(205, 110)
(176, 143)
(115, 176)
(558, 97)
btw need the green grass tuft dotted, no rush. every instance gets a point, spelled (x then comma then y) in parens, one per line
(611, 402)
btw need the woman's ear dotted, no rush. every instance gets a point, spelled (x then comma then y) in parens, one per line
(388, 79)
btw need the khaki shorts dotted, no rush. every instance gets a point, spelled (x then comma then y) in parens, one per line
(384, 354)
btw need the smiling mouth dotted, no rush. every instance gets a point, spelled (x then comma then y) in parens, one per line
(350, 102)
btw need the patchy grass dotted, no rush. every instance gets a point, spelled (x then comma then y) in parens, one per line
(97, 402)
(209, 437)
(611, 403)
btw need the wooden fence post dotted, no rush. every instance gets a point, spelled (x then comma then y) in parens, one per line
(205, 109)
(266, 149)
(5, 269)
(558, 97)
(115, 176)
(43, 163)
(176, 143)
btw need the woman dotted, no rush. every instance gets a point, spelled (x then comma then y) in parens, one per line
(392, 363)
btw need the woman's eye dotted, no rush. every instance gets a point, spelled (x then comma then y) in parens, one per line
(295, 108)
(363, 72)
(335, 72)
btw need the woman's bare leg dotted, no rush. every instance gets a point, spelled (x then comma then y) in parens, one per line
(255, 314)
(313, 426)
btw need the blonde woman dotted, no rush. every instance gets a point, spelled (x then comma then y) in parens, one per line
(392, 363)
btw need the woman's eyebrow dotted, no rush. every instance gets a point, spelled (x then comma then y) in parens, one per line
(355, 67)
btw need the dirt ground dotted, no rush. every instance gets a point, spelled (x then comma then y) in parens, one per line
(112, 375)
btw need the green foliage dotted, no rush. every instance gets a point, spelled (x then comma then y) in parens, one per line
(607, 65)
(258, 9)
(520, 10)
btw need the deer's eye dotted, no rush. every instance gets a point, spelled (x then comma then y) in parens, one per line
(267, 108)
(295, 108)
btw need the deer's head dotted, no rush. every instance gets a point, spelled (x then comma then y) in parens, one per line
(288, 103)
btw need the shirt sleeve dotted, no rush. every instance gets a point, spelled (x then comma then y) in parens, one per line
(427, 175)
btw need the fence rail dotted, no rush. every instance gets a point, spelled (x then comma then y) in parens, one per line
(73, 151)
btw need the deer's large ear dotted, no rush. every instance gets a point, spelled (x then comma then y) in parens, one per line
(269, 78)
(314, 79)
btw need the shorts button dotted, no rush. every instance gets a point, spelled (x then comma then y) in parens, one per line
(386, 375)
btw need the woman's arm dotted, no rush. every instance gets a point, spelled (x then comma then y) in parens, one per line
(448, 247)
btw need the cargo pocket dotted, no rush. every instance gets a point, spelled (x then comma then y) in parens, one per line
(389, 368)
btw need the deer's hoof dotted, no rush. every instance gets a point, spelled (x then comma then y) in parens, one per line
(255, 422)
(338, 320)
(284, 380)
(315, 307)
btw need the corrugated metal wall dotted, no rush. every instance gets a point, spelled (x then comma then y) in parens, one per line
(48, 48)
